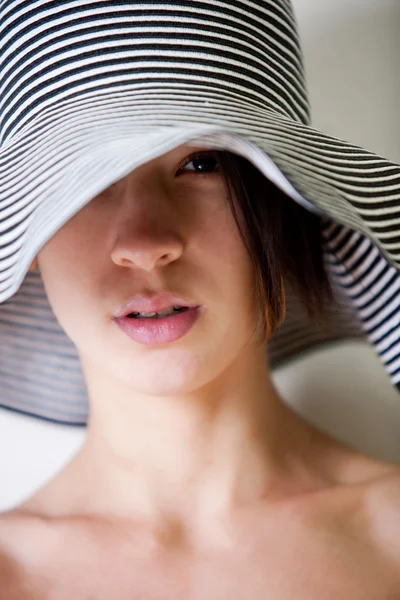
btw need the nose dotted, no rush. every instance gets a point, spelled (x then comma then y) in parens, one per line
(147, 250)
(148, 236)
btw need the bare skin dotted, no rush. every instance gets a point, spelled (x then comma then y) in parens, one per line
(198, 483)
(316, 539)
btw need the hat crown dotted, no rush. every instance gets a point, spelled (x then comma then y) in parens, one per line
(55, 51)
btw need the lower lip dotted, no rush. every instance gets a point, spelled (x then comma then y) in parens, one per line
(159, 331)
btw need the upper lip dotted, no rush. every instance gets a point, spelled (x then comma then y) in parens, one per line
(153, 303)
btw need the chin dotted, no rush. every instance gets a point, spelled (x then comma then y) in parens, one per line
(164, 374)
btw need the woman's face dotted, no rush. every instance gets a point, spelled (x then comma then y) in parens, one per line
(168, 226)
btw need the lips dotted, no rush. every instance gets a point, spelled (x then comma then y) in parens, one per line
(142, 303)
(156, 331)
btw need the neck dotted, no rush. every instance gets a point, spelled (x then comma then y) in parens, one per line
(194, 459)
(180, 446)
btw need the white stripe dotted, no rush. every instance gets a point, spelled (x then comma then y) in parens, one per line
(147, 62)
(97, 72)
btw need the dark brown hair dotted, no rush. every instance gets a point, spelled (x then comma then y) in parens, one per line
(283, 239)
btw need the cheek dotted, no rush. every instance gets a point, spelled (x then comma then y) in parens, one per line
(63, 264)
(229, 280)
(75, 248)
(227, 254)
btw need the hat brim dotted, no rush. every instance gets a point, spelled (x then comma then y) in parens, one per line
(54, 166)
(62, 160)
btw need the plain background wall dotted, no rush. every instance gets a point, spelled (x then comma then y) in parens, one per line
(352, 56)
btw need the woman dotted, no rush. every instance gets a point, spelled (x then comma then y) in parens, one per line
(195, 480)
(195, 477)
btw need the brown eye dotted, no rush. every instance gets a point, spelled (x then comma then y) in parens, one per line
(201, 164)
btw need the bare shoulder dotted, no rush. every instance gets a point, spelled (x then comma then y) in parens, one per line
(364, 501)
(19, 551)
(377, 485)
(17, 531)
(382, 504)
(12, 581)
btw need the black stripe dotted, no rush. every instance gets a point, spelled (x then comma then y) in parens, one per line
(285, 69)
(385, 319)
(149, 13)
(360, 260)
(395, 343)
(108, 77)
(358, 281)
(194, 50)
(383, 305)
(344, 242)
(385, 335)
(392, 240)
(386, 228)
(390, 361)
(366, 288)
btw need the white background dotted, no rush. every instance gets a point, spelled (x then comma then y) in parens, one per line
(352, 57)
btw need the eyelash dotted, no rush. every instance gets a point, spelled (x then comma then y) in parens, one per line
(180, 171)
(195, 156)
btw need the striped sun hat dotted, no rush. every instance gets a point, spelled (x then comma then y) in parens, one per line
(91, 90)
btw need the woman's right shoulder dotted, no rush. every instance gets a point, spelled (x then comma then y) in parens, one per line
(19, 552)
(16, 531)
(12, 580)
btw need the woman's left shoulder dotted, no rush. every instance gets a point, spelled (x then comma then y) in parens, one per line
(381, 500)
(382, 492)
(367, 498)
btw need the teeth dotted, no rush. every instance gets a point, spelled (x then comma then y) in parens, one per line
(161, 313)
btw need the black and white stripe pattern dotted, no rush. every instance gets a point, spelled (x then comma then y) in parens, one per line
(373, 287)
(89, 91)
